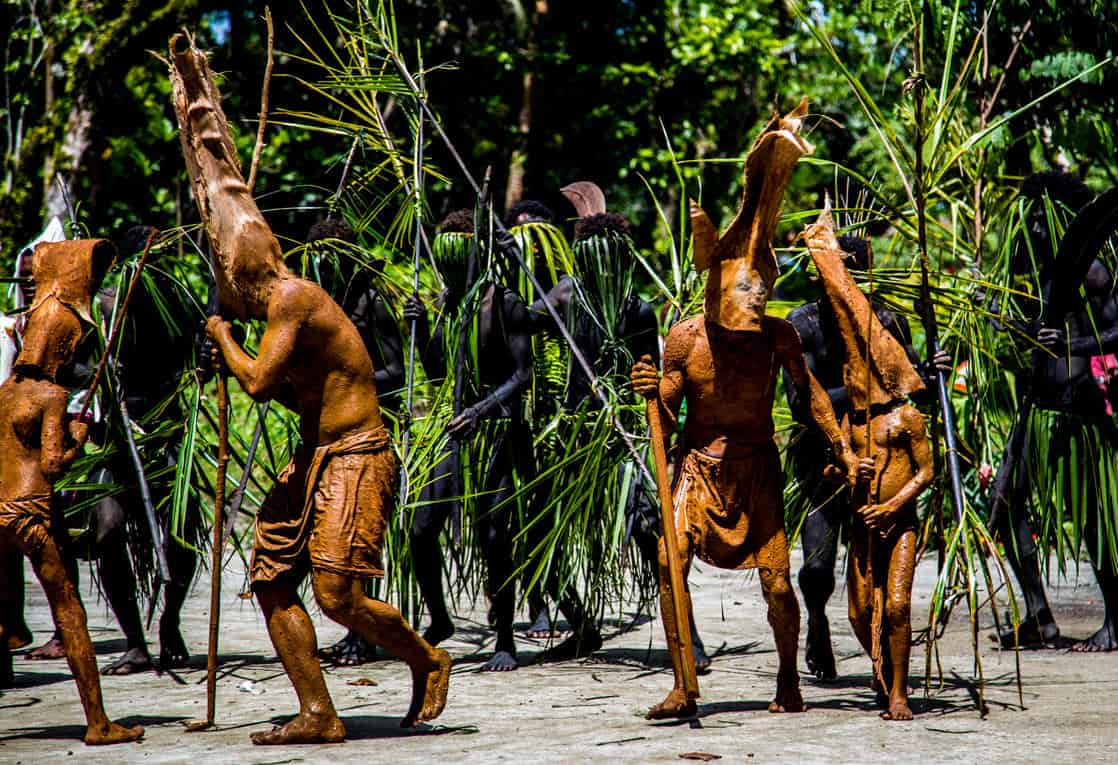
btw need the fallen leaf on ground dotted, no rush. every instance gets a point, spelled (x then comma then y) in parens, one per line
(704, 756)
(362, 681)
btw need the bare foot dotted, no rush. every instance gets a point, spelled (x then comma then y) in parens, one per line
(438, 632)
(788, 698)
(501, 661)
(542, 628)
(18, 637)
(303, 729)
(898, 709)
(52, 649)
(574, 647)
(1105, 639)
(675, 704)
(172, 648)
(820, 657)
(429, 691)
(1038, 631)
(702, 661)
(112, 734)
(132, 661)
(351, 651)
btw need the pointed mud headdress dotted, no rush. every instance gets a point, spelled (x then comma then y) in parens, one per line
(66, 276)
(244, 249)
(890, 374)
(742, 264)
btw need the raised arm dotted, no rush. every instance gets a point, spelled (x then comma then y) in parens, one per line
(519, 341)
(261, 377)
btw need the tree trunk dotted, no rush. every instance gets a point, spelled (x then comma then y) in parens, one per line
(518, 161)
(75, 145)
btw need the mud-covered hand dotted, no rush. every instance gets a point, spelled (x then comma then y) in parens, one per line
(645, 378)
(465, 423)
(79, 431)
(865, 470)
(879, 518)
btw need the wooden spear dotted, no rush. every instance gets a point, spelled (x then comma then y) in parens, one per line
(680, 642)
(215, 572)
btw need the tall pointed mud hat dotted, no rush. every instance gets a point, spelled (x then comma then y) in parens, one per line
(244, 249)
(890, 374)
(743, 267)
(66, 274)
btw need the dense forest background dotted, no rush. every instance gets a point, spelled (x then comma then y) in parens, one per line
(545, 91)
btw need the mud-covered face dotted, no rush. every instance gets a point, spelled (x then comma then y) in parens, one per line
(737, 292)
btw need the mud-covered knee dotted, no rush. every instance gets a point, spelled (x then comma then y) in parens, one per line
(334, 596)
(776, 584)
(898, 610)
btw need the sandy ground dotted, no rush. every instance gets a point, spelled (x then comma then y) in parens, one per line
(589, 710)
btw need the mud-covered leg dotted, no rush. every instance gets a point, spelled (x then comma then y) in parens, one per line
(898, 621)
(676, 704)
(859, 589)
(293, 637)
(344, 601)
(648, 540)
(784, 617)
(69, 617)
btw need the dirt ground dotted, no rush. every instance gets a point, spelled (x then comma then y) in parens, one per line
(589, 710)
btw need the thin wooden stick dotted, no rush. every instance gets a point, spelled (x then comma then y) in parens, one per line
(262, 122)
(215, 572)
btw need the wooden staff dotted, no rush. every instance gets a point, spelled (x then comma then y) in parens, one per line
(215, 572)
(680, 642)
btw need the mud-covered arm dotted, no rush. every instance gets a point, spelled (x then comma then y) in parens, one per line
(920, 451)
(61, 437)
(667, 389)
(808, 388)
(261, 377)
(520, 350)
(880, 516)
(559, 297)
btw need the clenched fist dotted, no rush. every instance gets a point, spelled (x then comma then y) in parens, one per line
(645, 378)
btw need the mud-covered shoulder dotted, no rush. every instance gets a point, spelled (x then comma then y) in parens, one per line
(785, 339)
